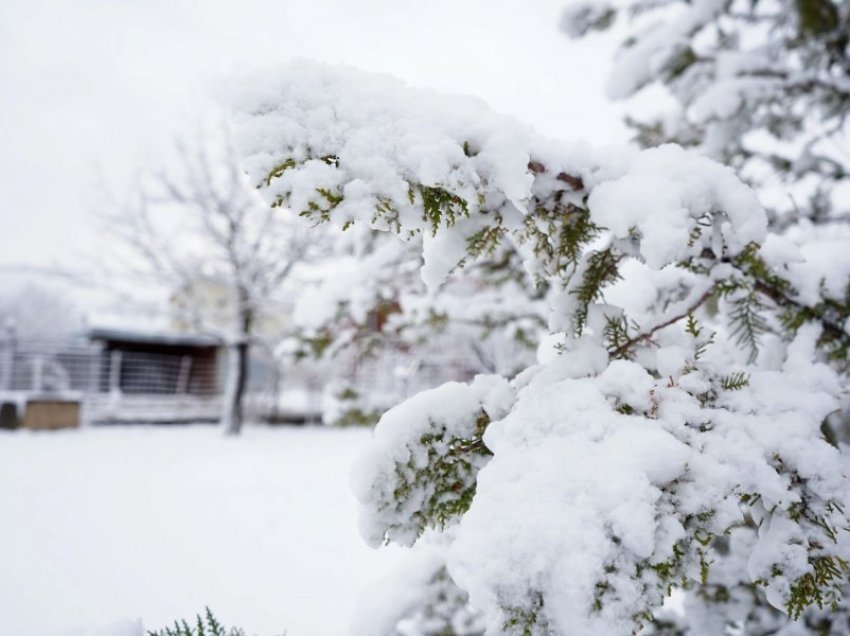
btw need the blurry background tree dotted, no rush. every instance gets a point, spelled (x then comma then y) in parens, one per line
(37, 312)
(370, 304)
(224, 256)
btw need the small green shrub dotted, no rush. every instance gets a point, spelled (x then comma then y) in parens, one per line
(207, 625)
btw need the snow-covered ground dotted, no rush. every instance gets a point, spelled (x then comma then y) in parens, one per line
(153, 523)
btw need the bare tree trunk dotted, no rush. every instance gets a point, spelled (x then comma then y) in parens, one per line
(237, 379)
(237, 376)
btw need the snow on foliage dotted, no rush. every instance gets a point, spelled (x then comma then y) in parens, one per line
(421, 470)
(663, 192)
(762, 85)
(687, 396)
(419, 599)
(356, 165)
(632, 476)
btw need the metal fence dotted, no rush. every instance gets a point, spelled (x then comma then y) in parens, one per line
(142, 373)
(110, 385)
(46, 367)
(121, 385)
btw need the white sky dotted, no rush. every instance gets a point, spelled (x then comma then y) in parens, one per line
(89, 86)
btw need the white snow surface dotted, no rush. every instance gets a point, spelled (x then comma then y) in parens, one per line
(112, 531)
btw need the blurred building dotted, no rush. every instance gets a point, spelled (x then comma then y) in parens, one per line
(108, 375)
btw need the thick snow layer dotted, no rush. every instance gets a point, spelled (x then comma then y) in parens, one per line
(340, 145)
(369, 139)
(108, 530)
(449, 412)
(604, 472)
(543, 519)
(815, 260)
(664, 190)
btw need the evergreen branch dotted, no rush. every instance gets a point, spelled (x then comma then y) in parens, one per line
(747, 322)
(206, 625)
(602, 269)
(735, 381)
(440, 206)
(819, 312)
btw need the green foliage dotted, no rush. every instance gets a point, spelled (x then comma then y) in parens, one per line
(385, 210)
(684, 58)
(735, 381)
(831, 315)
(559, 233)
(692, 327)
(526, 621)
(750, 262)
(449, 476)
(485, 241)
(763, 286)
(317, 344)
(439, 206)
(357, 417)
(746, 292)
(279, 169)
(617, 336)
(589, 18)
(321, 211)
(352, 412)
(701, 343)
(816, 17)
(445, 611)
(746, 316)
(692, 551)
(821, 586)
(207, 625)
(601, 269)
(317, 210)
(445, 471)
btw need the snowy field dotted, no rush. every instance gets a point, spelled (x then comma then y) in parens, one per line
(106, 525)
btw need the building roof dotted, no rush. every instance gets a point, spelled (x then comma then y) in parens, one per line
(154, 337)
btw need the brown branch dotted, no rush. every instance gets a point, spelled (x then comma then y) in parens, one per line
(647, 335)
(575, 183)
(833, 329)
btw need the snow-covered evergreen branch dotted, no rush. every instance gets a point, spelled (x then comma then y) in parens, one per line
(587, 488)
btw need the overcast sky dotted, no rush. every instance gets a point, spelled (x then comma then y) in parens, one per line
(104, 86)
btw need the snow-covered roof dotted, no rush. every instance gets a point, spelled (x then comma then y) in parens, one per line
(154, 337)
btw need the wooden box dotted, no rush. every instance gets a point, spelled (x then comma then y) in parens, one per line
(45, 414)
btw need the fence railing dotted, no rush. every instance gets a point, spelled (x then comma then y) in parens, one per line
(122, 385)
(110, 384)
(42, 366)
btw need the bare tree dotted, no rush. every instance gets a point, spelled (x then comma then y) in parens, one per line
(204, 234)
